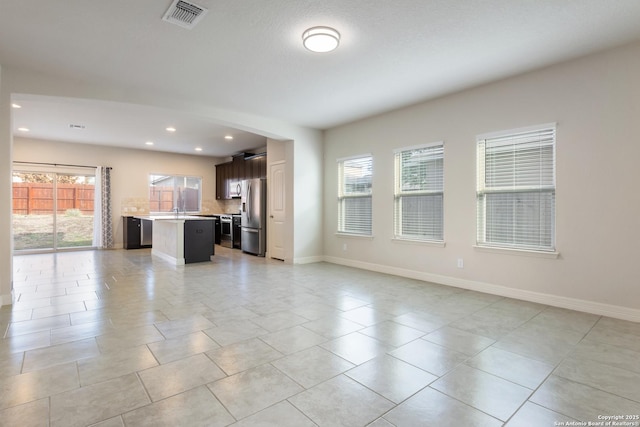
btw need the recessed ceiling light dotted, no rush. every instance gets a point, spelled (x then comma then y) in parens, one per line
(171, 129)
(16, 106)
(321, 39)
(23, 129)
(228, 137)
(149, 143)
(198, 148)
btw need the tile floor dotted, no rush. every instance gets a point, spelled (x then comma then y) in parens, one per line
(119, 338)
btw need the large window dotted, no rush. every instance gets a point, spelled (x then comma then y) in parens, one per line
(168, 193)
(419, 187)
(516, 189)
(354, 195)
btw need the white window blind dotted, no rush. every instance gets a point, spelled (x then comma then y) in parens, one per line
(354, 195)
(516, 189)
(419, 192)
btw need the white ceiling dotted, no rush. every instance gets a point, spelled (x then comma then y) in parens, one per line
(247, 56)
(127, 125)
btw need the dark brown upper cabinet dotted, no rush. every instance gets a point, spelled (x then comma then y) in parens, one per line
(243, 166)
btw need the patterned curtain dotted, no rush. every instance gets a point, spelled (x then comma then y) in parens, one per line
(107, 220)
(97, 210)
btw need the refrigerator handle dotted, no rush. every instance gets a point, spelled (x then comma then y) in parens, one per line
(249, 200)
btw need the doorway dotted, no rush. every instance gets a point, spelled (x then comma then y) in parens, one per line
(52, 210)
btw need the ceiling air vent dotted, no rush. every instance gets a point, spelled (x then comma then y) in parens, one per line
(184, 14)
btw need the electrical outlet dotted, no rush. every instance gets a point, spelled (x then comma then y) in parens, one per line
(344, 247)
(460, 263)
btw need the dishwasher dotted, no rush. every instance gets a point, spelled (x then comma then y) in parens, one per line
(146, 231)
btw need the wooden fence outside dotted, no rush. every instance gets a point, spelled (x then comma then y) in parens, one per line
(161, 199)
(34, 198)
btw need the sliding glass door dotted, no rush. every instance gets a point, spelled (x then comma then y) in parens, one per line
(74, 210)
(52, 210)
(33, 211)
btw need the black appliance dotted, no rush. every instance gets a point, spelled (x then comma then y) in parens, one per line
(137, 233)
(216, 228)
(236, 231)
(198, 240)
(226, 231)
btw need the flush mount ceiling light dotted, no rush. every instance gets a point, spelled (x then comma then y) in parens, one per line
(321, 39)
(149, 143)
(16, 106)
(171, 129)
(228, 137)
(198, 148)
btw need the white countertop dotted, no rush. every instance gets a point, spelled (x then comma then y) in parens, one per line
(173, 218)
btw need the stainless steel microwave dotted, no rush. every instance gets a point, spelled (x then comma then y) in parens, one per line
(235, 189)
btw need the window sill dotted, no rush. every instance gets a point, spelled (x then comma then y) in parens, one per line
(521, 252)
(355, 236)
(432, 243)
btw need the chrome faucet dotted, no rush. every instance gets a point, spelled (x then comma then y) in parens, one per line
(181, 201)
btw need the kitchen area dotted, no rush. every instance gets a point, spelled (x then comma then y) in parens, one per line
(188, 235)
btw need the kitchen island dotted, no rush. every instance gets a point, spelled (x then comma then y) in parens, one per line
(183, 239)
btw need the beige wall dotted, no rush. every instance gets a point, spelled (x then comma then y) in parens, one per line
(130, 174)
(6, 149)
(596, 104)
(307, 167)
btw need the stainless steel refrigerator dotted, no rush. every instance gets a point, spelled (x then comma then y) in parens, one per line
(253, 211)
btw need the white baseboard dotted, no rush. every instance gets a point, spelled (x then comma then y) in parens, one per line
(309, 259)
(6, 300)
(618, 312)
(167, 257)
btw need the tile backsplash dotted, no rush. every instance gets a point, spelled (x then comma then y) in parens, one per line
(134, 206)
(228, 206)
(140, 206)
